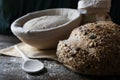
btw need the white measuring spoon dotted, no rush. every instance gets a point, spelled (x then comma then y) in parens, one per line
(30, 65)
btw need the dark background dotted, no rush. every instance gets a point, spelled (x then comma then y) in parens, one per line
(13, 9)
(115, 11)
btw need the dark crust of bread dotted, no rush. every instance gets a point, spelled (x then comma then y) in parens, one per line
(93, 48)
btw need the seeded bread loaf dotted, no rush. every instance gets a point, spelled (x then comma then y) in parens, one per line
(93, 48)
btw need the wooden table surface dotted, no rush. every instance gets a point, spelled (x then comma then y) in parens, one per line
(10, 67)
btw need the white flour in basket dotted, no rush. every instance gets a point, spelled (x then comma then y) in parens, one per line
(45, 22)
